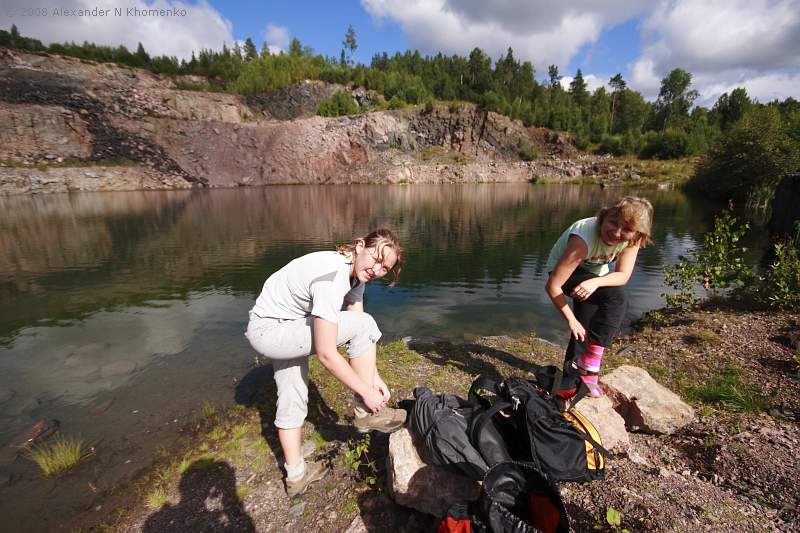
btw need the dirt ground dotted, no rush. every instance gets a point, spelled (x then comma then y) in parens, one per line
(735, 468)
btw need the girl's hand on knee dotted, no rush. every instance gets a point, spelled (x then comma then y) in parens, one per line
(382, 388)
(577, 330)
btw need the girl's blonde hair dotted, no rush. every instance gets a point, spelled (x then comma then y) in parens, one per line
(635, 212)
(379, 239)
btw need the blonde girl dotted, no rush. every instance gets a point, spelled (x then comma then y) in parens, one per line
(579, 267)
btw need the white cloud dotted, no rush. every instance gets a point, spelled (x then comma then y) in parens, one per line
(764, 88)
(593, 82)
(189, 27)
(723, 43)
(277, 38)
(540, 31)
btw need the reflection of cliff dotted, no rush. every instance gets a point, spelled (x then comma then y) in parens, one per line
(67, 255)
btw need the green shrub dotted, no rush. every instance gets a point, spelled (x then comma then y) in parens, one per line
(581, 140)
(631, 142)
(611, 144)
(672, 144)
(396, 102)
(357, 459)
(338, 105)
(718, 265)
(781, 284)
(525, 150)
(455, 107)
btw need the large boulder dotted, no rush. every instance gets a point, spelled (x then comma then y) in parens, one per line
(645, 404)
(427, 488)
(611, 426)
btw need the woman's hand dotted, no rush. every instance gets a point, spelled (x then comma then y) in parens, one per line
(382, 388)
(584, 289)
(373, 399)
(577, 330)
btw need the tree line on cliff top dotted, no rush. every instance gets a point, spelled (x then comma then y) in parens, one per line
(617, 120)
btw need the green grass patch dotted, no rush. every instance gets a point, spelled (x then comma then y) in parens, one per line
(57, 456)
(318, 439)
(658, 372)
(350, 508)
(218, 433)
(233, 447)
(157, 498)
(727, 391)
(209, 411)
(240, 430)
(701, 337)
(243, 491)
(259, 446)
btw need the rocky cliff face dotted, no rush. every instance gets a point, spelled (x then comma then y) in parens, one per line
(77, 125)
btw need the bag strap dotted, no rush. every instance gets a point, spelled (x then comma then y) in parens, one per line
(583, 390)
(482, 382)
(556, 382)
(475, 430)
(596, 445)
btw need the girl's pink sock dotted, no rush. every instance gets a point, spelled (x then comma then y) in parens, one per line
(593, 384)
(592, 357)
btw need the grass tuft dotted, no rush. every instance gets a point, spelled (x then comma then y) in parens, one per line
(57, 456)
(702, 337)
(209, 411)
(728, 392)
(157, 498)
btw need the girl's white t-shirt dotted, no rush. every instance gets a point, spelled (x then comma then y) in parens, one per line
(315, 284)
(600, 254)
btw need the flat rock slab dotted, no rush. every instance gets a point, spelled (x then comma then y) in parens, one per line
(428, 488)
(611, 426)
(645, 404)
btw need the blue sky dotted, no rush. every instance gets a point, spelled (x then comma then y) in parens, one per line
(723, 43)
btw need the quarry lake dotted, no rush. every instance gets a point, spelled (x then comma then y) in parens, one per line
(122, 313)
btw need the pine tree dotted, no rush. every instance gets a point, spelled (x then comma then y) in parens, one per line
(617, 85)
(577, 88)
(250, 51)
(350, 43)
(142, 57)
(552, 71)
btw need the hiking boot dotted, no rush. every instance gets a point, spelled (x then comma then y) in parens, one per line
(314, 472)
(386, 420)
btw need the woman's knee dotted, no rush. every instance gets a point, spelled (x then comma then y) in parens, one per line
(365, 333)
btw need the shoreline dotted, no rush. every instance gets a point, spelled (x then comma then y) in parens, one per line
(666, 344)
(44, 180)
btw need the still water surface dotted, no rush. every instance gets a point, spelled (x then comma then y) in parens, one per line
(121, 313)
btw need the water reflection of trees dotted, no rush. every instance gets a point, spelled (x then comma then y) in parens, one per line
(64, 255)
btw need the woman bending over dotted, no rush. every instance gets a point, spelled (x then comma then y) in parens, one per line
(579, 267)
(312, 305)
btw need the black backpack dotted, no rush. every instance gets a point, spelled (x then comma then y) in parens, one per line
(440, 422)
(535, 430)
(515, 498)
